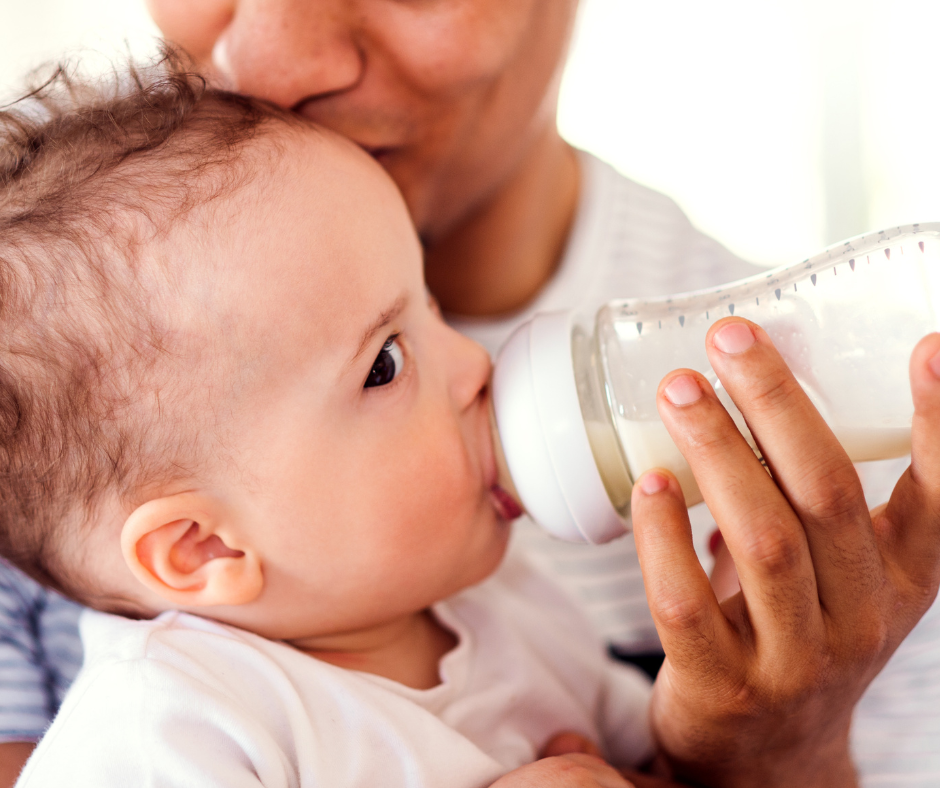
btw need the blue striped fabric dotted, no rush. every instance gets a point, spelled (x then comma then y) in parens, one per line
(40, 653)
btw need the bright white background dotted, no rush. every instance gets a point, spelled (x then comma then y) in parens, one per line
(779, 126)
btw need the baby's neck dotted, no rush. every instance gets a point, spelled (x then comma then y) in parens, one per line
(407, 650)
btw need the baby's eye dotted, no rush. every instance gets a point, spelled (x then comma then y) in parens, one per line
(388, 364)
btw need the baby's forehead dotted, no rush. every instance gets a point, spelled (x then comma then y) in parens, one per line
(297, 262)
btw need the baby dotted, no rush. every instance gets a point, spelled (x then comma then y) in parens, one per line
(232, 421)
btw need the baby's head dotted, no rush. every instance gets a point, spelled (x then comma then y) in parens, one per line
(222, 385)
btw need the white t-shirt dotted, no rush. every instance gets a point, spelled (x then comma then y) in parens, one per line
(185, 701)
(629, 241)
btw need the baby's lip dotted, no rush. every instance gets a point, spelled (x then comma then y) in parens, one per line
(506, 505)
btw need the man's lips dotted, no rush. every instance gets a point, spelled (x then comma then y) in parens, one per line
(508, 508)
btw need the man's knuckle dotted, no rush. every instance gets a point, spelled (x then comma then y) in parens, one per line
(833, 495)
(923, 591)
(775, 549)
(710, 436)
(778, 690)
(872, 638)
(682, 615)
(773, 392)
(920, 580)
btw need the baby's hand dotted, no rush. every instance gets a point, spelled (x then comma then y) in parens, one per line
(570, 760)
(575, 770)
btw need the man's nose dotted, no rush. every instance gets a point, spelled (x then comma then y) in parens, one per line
(287, 51)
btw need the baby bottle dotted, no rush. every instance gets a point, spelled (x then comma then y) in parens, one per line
(576, 412)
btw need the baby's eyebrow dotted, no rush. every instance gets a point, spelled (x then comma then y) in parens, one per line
(381, 322)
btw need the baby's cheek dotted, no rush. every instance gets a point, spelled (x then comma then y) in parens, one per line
(450, 484)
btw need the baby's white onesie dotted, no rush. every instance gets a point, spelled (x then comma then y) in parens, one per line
(185, 701)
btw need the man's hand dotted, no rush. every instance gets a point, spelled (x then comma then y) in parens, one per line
(13, 756)
(760, 689)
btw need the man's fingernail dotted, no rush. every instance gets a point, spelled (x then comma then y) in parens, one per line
(734, 338)
(683, 390)
(934, 365)
(653, 483)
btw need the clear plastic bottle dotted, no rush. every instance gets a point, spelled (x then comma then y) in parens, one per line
(576, 412)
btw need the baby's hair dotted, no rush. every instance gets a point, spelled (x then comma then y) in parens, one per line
(91, 171)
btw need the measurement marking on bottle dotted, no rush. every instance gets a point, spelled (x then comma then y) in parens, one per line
(813, 278)
(777, 293)
(834, 271)
(639, 328)
(682, 320)
(852, 263)
(921, 245)
(731, 308)
(757, 301)
(888, 253)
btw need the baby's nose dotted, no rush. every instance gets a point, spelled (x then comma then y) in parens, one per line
(471, 371)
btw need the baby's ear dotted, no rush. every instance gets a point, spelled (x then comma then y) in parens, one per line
(185, 549)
